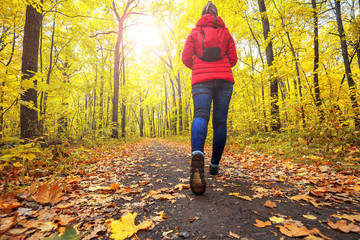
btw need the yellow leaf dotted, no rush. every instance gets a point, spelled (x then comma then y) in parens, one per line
(3, 165)
(275, 219)
(241, 197)
(312, 217)
(125, 227)
(351, 218)
(30, 156)
(289, 165)
(17, 164)
(27, 83)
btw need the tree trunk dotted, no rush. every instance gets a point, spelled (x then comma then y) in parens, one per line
(63, 120)
(318, 102)
(123, 102)
(346, 60)
(166, 106)
(173, 118)
(29, 123)
(94, 110)
(275, 114)
(101, 104)
(179, 102)
(358, 53)
(141, 119)
(115, 113)
(49, 70)
(117, 55)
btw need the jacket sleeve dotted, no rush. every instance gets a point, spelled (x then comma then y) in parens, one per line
(231, 51)
(189, 51)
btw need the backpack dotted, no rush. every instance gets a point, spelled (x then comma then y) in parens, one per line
(212, 44)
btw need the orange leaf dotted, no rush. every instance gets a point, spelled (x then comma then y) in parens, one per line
(291, 230)
(114, 186)
(262, 224)
(48, 195)
(65, 219)
(344, 227)
(181, 186)
(234, 235)
(8, 223)
(270, 204)
(8, 202)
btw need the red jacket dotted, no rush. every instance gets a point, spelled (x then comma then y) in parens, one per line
(203, 71)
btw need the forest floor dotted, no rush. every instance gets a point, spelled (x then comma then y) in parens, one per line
(256, 197)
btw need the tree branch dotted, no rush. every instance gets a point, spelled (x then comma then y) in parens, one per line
(102, 33)
(15, 101)
(78, 16)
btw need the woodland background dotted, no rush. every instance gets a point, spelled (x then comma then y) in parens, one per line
(297, 74)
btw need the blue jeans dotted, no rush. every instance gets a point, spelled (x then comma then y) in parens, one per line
(219, 92)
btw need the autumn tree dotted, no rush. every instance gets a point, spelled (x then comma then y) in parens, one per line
(29, 123)
(345, 55)
(275, 124)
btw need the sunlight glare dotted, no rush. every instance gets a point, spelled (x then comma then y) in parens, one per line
(147, 36)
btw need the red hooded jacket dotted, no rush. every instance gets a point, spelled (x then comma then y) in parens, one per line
(203, 71)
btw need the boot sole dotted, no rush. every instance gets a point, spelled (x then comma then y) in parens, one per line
(197, 176)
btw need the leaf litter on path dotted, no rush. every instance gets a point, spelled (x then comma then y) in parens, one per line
(119, 184)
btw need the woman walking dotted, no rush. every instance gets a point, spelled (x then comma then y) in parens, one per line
(210, 53)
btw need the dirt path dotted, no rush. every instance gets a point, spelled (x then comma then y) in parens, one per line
(150, 178)
(157, 167)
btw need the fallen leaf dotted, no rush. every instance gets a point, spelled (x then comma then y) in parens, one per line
(70, 233)
(164, 196)
(47, 226)
(50, 195)
(234, 235)
(277, 220)
(193, 219)
(351, 218)
(311, 217)
(270, 204)
(262, 224)
(114, 186)
(344, 227)
(65, 219)
(8, 202)
(7, 223)
(94, 233)
(306, 198)
(181, 186)
(160, 217)
(125, 227)
(65, 206)
(241, 197)
(291, 230)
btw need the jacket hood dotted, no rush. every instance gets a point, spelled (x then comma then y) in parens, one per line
(207, 21)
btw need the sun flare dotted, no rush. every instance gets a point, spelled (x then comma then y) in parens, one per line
(147, 36)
